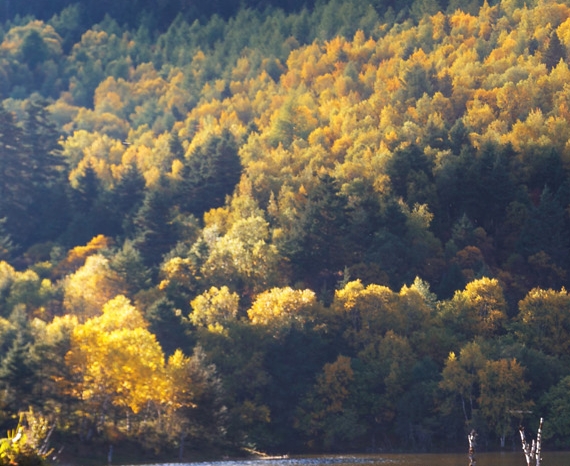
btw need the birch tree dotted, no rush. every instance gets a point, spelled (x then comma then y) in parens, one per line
(502, 391)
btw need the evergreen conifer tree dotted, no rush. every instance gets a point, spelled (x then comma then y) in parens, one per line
(49, 209)
(128, 264)
(155, 232)
(126, 199)
(554, 52)
(34, 50)
(210, 174)
(318, 247)
(18, 374)
(89, 215)
(167, 325)
(88, 189)
(41, 140)
(15, 177)
(545, 230)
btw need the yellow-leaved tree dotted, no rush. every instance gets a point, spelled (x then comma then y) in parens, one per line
(244, 257)
(117, 364)
(502, 394)
(280, 309)
(479, 310)
(493, 390)
(460, 379)
(545, 321)
(194, 405)
(214, 308)
(369, 311)
(90, 287)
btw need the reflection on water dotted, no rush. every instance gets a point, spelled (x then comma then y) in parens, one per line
(483, 459)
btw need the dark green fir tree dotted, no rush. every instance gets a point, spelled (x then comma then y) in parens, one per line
(155, 234)
(554, 52)
(210, 174)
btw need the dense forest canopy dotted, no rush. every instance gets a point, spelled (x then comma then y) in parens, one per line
(132, 12)
(299, 227)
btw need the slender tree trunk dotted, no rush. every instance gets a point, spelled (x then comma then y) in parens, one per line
(539, 443)
(525, 446)
(464, 409)
(472, 444)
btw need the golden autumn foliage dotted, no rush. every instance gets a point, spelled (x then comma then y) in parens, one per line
(502, 385)
(480, 309)
(90, 287)
(281, 308)
(117, 359)
(214, 308)
(289, 192)
(543, 316)
(78, 255)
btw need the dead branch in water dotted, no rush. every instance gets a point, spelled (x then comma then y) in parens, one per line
(532, 450)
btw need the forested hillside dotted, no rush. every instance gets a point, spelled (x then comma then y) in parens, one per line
(340, 226)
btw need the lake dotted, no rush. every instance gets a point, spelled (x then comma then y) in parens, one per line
(408, 459)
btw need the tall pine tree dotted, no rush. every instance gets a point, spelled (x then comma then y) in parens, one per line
(155, 231)
(210, 174)
(125, 200)
(89, 214)
(318, 248)
(49, 204)
(15, 178)
(554, 52)
(41, 140)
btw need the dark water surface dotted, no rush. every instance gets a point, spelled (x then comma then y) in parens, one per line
(408, 459)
